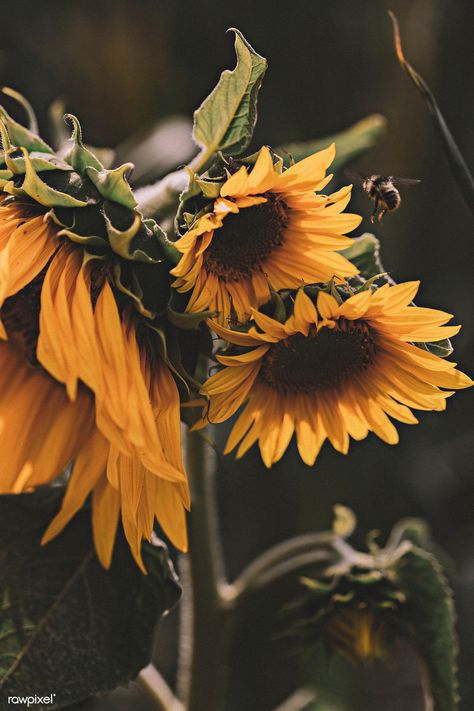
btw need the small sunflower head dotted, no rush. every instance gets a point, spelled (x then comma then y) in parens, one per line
(362, 603)
(357, 614)
(257, 227)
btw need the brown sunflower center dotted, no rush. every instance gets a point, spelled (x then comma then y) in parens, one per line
(20, 313)
(20, 316)
(246, 240)
(322, 360)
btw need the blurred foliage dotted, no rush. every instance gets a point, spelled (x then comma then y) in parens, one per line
(58, 622)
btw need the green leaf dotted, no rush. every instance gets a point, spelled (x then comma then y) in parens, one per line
(43, 193)
(67, 626)
(429, 612)
(365, 254)
(442, 349)
(226, 119)
(350, 144)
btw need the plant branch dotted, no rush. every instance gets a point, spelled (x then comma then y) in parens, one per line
(158, 690)
(459, 168)
(283, 558)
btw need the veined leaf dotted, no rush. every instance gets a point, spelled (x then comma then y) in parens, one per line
(365, 254)
(429, 611)
(226, 119)
(350, 144)
(67, 626)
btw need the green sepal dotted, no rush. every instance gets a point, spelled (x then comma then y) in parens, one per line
(90, 240)
(188, 321)
(345, 521)
(80, 157)
(21, 136)
(5, 177)
(130, 236)
(172, 358)
(279, 311)
(32, 121)
(209, 188)
(134, 292)
(39, 191)
(113, 185)
(172, 254)
(40, 162)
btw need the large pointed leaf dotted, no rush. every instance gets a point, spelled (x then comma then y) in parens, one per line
(67, 626)
(429, 611)
(226, 119)
(350, 143)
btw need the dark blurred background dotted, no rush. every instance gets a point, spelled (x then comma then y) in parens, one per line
(123, 66)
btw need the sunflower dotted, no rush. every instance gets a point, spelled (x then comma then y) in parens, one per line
(334, 369)
(82, 382)
(266, 229)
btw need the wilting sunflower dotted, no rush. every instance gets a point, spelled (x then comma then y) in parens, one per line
(81, 379)
(267, 228)
(332, 370)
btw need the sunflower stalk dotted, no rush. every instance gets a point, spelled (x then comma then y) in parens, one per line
(461, 172)
(160, 199)
(212, 612)
(214, 601)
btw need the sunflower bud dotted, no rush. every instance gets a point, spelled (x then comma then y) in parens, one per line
(362, 603)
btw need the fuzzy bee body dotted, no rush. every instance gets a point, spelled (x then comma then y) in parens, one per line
(382, 189)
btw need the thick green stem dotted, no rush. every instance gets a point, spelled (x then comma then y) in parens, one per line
(212, 608)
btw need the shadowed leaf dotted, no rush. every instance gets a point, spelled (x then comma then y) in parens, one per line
(226, 119)
(350, 144)
(67, 626)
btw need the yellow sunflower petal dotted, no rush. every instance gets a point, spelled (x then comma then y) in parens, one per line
(89, 467)
(236, 184)
(105, 515)
(309, 171)
(262, 177)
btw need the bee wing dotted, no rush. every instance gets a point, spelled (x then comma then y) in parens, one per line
(354, 177)
(405, 181)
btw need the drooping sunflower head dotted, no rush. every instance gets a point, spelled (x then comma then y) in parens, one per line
(83, 378)
(361, 604)
(264, 229)
(333, 366)
(356, 615)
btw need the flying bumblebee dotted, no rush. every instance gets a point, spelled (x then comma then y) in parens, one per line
(383, 189)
